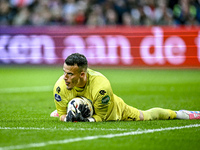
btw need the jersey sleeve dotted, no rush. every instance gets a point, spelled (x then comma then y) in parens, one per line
(60, 98)
(102, 100)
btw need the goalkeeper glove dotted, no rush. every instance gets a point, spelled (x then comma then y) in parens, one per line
(84, 109)
(70, 117)
(79, 117)
(82, 114)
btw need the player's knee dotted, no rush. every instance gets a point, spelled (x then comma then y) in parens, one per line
(141, 115)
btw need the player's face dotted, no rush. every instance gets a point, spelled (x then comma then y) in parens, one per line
(72, 76)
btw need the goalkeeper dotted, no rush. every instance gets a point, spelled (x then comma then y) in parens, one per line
(79, 80)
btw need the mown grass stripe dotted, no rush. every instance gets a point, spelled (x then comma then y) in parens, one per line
(42, 144)
(65, 129)
(26, 89)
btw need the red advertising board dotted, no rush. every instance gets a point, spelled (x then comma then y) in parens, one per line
(107, 46)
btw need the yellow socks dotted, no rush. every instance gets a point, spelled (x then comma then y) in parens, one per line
(159, 114)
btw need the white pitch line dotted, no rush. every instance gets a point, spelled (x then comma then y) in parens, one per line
(26, 89)
(42, 144)
(64, 129)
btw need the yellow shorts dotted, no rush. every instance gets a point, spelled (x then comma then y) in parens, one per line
(121, 111)
(128, 113)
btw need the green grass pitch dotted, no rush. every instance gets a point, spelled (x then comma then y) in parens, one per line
(26, 101)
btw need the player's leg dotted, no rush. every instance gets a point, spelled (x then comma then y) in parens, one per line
(163, 114)
(131, 114)
(159, 114)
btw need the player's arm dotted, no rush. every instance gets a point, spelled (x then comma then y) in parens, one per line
(60, 100)
(101, 107)
(61, 109)
(102, 102)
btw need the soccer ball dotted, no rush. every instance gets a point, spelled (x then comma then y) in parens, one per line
(75, 102)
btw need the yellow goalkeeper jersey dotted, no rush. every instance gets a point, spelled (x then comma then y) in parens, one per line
(107, 106)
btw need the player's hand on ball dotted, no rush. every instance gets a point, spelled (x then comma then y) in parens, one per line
(79, 113)
(79, 117)
(71, 116)
(84, 109)
(79, 109)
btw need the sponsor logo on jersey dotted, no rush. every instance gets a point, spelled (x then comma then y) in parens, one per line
(58, 89)
(105, 99)
(58, 98)
(102, 92)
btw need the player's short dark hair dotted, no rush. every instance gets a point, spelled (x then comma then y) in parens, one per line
(77, 59)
